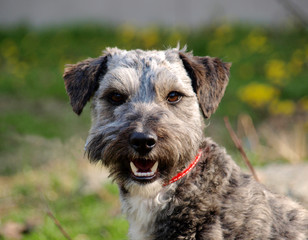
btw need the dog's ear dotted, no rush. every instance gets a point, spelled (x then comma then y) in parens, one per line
(82, 80)
(209, 77)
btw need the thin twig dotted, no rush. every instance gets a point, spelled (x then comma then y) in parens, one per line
(238, 145)
(54, 219)
(57, 223)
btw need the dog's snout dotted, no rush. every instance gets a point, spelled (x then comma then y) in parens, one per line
(143, 143)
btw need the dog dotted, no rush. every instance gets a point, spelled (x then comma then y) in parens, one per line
(148, 110)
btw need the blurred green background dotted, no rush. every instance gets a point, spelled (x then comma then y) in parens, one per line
(41, 149)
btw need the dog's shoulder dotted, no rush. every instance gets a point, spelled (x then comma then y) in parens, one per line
(242, 201)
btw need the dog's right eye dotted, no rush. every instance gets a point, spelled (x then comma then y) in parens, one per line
(116, 98)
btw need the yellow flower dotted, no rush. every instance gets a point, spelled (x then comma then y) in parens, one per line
(257, 94)
(286, 107)
(174, 38)
(150, 38)
(296, 63)
(127, 33)
(275, 71)
(304, 103)
(255, 41)
(9, 49)
(223, 30)
(222, 35)
(306, 52)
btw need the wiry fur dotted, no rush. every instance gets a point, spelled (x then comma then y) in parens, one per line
(215, 200)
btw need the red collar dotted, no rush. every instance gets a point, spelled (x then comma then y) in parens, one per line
(186, 170)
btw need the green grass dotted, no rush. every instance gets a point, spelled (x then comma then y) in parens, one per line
(79, 214)
(62, 189)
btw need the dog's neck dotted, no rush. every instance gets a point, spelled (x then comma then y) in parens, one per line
(143, 203)
(186, 170)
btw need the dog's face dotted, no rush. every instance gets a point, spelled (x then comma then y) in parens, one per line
(146, 118)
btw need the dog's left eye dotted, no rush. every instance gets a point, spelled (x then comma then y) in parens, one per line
(174, 97)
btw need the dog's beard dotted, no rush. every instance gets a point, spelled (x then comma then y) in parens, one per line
(123, 163)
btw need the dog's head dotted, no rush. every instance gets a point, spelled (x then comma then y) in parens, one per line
(146, 118)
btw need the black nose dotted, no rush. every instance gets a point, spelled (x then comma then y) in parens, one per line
(143, 143)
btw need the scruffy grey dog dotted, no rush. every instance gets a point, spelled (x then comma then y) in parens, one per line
(148, 111)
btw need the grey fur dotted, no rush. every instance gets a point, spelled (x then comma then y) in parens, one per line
(133, 96)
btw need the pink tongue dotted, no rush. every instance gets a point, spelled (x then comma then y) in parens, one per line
(143, 165)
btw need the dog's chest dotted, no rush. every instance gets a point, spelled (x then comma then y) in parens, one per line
(141, 213)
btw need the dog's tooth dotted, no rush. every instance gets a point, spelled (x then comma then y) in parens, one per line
(133, 167)
(154, 168)
(144, 174)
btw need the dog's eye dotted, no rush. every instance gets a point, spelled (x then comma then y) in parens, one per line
(174, 97)
(116, 98)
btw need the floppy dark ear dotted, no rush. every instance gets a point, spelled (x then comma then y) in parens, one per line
(81, 80)
(209, 77)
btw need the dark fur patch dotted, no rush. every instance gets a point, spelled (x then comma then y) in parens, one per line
(292, 215)
(81, 80)
(209, 77)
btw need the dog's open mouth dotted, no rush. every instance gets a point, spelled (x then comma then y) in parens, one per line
(143, 169)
